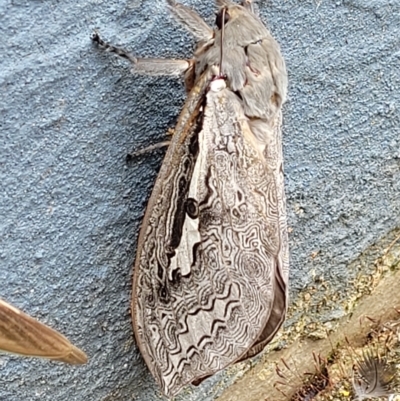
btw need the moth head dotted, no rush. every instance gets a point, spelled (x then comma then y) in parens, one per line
(222, 17)
(229, 12)
(241, 25)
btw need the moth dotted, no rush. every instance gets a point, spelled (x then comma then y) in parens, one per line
(210, 283)
(23, 335)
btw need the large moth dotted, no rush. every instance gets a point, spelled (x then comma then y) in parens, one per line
(23, 335)
(211, 270)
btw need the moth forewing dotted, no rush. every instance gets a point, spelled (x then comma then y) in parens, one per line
(23, 335)
(211, 269)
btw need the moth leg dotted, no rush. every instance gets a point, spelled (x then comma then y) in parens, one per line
(151, 148)
(147, 149)
(191, 21)
(150, 66)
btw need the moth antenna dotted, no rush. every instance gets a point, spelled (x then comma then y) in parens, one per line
(222, 41)
(149, 66)
(113, 49)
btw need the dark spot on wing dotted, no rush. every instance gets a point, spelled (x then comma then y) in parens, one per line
(192, 208)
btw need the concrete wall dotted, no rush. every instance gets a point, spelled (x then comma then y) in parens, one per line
(71, 207)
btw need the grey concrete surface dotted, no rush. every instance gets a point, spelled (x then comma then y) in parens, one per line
(71, 207)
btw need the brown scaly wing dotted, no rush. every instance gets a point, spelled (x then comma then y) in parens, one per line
(23, 335)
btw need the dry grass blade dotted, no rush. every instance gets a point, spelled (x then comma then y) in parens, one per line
(372, 377)
(312, 384)
(23, 335)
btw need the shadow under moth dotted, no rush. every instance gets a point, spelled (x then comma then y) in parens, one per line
(23, 335)
(211, 272)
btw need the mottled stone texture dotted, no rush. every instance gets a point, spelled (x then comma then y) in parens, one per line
(70, 205)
